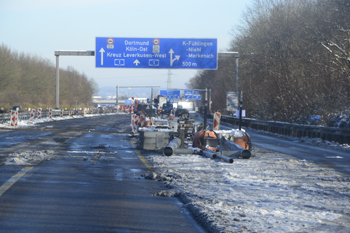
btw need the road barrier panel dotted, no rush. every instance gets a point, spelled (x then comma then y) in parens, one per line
(216, 121)
(134, 122)
(14, 118)
(39, 113)
(32, 114)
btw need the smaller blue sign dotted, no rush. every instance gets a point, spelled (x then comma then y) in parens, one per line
(315, 118)
(128, 101)
(197, 95)
(188, 94)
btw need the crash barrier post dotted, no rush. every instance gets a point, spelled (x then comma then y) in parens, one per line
(84, 111)
(39, 113)
(213, 155)
(216, 121)
(173, 148)
(225, 158)
(77, 112)
(231, 149)
(14, 118)
(172, 145)
(61, 112)
(92, 111)
(209, 154)
(50, 113)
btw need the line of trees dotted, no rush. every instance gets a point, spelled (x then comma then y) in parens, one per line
(294, 61)
(30, 81)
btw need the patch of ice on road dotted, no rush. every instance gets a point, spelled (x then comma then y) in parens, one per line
(269, 193)
(29, 157)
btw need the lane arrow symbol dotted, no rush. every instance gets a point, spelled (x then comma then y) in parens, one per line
(102, 51)
(177, 57)
(136, 62)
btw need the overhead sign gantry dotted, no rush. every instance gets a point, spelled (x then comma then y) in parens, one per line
(156, 53)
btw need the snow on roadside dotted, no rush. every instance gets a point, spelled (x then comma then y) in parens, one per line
(26, 123)
(29, 157)
(272, 192)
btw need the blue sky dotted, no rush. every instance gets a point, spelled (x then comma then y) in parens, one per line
(39, 27)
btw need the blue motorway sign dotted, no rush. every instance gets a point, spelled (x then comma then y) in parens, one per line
(156, 53)
(171, 94)
(197, 95)
(187, 94)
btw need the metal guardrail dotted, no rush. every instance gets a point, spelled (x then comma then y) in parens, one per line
(5, 117)
(339, 135)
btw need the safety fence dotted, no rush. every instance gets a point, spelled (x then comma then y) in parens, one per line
(340, 135)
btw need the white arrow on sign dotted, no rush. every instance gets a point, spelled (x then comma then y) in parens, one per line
(102, 51)
(136, 62)
(177, 57)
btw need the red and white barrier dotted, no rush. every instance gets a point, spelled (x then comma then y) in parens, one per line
(142, 119)
(92, 111)
(32, 114)
(84, 111)
(14, 118)
(71, 112)
(134, 122)
(61, 112)
(50, 113)
(216, 121)
(39, 113)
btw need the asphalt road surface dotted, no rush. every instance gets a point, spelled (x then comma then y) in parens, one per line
(93, 183)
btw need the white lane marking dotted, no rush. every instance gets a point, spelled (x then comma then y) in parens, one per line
(13, 180)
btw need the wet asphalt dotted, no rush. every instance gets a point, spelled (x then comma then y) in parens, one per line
(94, 183)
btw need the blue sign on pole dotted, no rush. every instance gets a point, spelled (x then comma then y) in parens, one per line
(156, 53)
(197, 95)
(171, 94)
(187, 94)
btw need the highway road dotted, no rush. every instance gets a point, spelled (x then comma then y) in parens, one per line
(94, 182)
